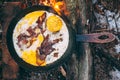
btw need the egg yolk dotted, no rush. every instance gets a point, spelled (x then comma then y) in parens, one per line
(29, 19)
(54, 23)
(33, 14)
(30, 56)
(40, 38)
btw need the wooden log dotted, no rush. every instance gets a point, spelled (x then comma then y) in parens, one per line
(80, 65)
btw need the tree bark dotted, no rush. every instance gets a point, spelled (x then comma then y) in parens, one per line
(80, 65)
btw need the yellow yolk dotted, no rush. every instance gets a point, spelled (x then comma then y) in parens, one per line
(30, 56)
(33, 16)
(40, 39)
(54, 23)
(29, 19)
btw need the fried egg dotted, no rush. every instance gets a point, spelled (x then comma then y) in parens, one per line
(52, 23)
(57, 23)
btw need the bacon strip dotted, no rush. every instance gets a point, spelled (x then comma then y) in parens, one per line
(40, 20)
(32, 34)
(46, 47)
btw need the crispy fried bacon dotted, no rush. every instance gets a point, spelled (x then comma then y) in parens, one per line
(31, 31)
(56, 54)
(46, 47)
(22, 36)
(32, 34)
(40, 20)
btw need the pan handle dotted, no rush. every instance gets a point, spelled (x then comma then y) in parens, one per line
(104, 37)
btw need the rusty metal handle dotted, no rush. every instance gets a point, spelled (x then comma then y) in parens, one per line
(104, 37)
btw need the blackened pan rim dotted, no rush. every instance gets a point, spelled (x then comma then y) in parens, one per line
(22, 63)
